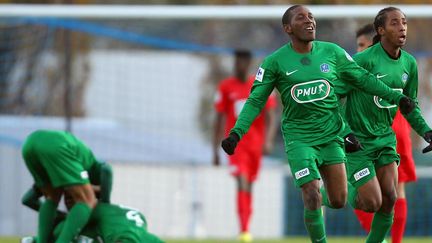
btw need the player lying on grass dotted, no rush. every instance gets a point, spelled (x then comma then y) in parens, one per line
(110, 223)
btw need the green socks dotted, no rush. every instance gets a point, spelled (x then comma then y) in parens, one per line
(381, 225)
(314, 223)
(47, 213)
(75, 221)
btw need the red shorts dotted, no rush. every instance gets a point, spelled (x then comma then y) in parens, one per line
(402, 129)
(246, 161)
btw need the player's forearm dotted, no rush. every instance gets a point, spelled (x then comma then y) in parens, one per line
(106, 183)
(248, 114)
(417, 122)
(368, 83)
(31, 199)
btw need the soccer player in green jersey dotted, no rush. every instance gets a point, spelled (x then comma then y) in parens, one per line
(304, 72)
(59, 162)
(372, 171)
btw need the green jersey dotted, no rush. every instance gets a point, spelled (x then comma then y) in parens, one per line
(306, 86)
(372, 116)
(114, 223)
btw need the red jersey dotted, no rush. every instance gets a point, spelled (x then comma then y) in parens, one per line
(231, 96)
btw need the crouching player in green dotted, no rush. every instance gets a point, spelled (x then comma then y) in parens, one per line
(372, 171)
(100, 175)
(59, 163)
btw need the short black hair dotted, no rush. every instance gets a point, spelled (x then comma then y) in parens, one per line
(368, 30)
(286, 18)
(243, 53)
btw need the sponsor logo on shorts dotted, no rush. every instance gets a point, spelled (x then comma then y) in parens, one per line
(361, 174)
(302, 173)
(84, 175)
(310, 91)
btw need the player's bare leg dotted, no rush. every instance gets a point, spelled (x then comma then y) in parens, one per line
(334, 179)
(383, 219)
(244, 206)
(85, 201)
(313, 217)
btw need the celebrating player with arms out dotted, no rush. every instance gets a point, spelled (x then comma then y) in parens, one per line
(406, 168)
(373, 170)
(304, 72)
(231, 96)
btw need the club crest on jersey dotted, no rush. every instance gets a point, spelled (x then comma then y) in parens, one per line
(384, 104)
(404, 77)
(310, 91)
(260, 74)
(325, 68)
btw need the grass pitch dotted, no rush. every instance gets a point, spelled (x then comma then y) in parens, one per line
(286, 240)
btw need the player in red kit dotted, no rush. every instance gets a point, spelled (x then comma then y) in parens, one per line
(406, 169)
(245, 163)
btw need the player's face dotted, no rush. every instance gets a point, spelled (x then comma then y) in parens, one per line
(363, 42)
(395, 30)
(302, 25)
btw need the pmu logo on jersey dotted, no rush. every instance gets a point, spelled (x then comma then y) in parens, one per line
(302, 173)
(325, 68)
(384, 104)
(310, 91)
(361, 174)
(404, 78)
(260, 74)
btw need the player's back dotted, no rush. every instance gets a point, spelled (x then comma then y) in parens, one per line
(121, 224)
(42, 143)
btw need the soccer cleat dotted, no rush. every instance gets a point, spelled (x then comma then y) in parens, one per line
(245, 237)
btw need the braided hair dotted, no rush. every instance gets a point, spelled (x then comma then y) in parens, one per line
(380, 21)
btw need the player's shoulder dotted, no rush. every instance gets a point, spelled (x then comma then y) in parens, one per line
(408, 57)
(278, 54)
(326, 45)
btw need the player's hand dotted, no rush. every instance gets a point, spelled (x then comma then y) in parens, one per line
(428, 137)
(406, 105)
(230, 143)
(352, 144)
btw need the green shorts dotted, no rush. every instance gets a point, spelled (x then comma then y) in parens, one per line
(304, 160)
(376, 152)
(55, 158)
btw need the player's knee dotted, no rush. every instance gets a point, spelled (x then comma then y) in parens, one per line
(338, 201)
(389, 198)
(311, 198)
(371, 205)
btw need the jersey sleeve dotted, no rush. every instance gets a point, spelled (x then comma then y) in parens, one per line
(271, 102)
(415, 118)
(263, 86)
(220, 99)
(350, 72)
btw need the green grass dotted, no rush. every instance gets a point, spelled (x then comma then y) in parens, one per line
(287, 240)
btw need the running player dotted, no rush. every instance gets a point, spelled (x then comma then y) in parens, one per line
(304, 72)
(372, 171)
(59, 162)
(230, 98)
(406, 168)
